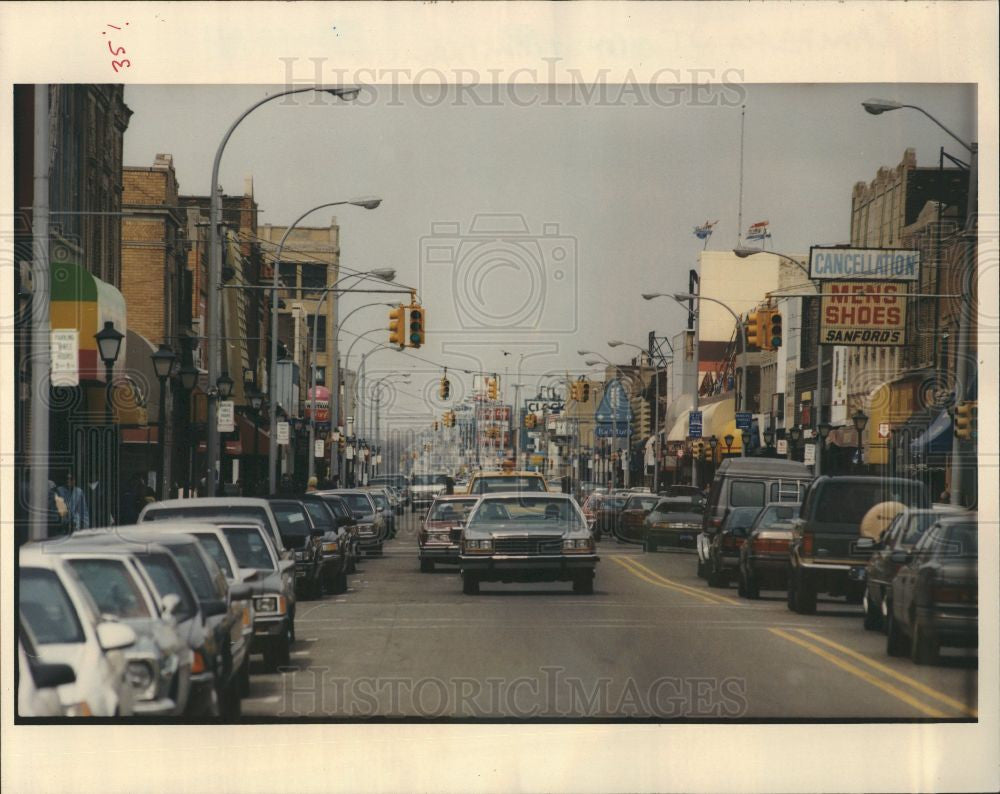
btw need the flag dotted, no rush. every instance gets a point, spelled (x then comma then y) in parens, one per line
(758, 231)
(705, 231)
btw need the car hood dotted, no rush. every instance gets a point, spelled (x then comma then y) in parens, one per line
(523, 534)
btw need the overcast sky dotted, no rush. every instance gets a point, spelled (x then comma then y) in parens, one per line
(609, 194)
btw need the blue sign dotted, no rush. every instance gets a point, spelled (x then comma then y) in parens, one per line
(743, 420)
(614, 407)
(602, 430)
(694, 424)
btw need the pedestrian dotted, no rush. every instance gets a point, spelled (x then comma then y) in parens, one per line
(131, 502)
(150, 496)
(76, 503)
(311, 485)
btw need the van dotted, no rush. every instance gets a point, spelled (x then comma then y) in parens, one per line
(748, 482)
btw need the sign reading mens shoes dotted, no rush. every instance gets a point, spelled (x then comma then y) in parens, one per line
(863, 313)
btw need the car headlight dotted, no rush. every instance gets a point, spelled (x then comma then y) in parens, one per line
(576, 544)
(440, 537)
(271, 605)
(330, 547)
(141, 677)
(479, 546)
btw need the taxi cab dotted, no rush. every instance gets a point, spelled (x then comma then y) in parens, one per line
(505, 481)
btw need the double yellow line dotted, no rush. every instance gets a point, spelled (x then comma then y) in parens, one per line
(639, 570)
(798, 636)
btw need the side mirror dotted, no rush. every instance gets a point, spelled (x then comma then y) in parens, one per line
(170, 603)
(113, 636)
(240, 592)
(900, 557)
(248, 574)
(214, 607)
(380, 509)
(49, 675)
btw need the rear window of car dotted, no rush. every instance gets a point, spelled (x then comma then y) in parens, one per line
(453, 509)
(167, 579)
(775, 513)
(677, 505)
(320, 515)
(501, 484)
(229, 512)
(292, 519)
(249, 548)
(194, 567)
(952, 540)
(359, 503)
(430, 479)
(641, 502)
(46, 607)
(847, 502)
(340, 510)
(213, 546)
(113, 588)
(746, 493)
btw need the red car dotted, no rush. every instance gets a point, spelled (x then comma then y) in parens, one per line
(440, 536)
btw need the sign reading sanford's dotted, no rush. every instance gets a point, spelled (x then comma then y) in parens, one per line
(868, 264)
(863, 313)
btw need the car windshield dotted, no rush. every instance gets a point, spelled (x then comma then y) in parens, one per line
(228, 512)
(168, 579)
(502, 484)
(194, 567)
(46, 607)
(612, 503)
(430, 479)
(952, 540)
(452, 510)
(917, 525)
(359, 503)
(338, 507)
(249, 548)
(213, 546)
(772, 514)
(542, 514)
(380, 500)
(292, 519)
(848, 502)
(677, 506)
(320, 515)
(641, 502)
(112, 587)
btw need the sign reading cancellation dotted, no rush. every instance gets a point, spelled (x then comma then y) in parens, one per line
(863, 313)
(863, 264)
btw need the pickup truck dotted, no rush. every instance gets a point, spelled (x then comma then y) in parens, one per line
(828, 552)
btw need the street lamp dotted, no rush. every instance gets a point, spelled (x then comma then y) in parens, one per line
(256, 402)
(745, 437)
(272, 458)
(860, 420)
(163, 362)
(729, 438)
(385, 274)
(769, 437)
(713, 442)
(212, 306)
(225, 386)
(824, 431)
(109, 344)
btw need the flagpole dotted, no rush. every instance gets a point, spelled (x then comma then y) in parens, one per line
(739, 220)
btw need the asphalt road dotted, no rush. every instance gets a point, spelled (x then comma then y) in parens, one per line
(654, 642)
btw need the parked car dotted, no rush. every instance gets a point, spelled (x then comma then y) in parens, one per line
(764, 555)
(159, 663)
(934, 598)
(691, 491)
(674, 521)
(608, 511)
(828, 553)
(440, 536)
(305, 539)
(68, 629)
(590, 506)
(383, 503)
(346, 523)
(633, 514)
(229, 508)
(527, 537)
(425, 488)
(902, 534)
(369, 520)
(335, 542)
(724, 550)
(38, 681)
(398, 481)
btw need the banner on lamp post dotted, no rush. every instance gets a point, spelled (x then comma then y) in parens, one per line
(282, 434)
(319, 448)
(227, 416)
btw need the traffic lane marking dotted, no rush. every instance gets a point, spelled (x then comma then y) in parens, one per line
(641, 571)
(857, 672)
(903, 678)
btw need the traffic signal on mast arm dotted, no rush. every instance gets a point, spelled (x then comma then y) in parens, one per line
(529, 420)
(491, 388)
(397, 326)
(753, 329)
(772, 330)
(574, 390)
(584, 391)
(444, 390)
(417, 319)
(965, 419)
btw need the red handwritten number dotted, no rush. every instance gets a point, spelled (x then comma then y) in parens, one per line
(124, 63)
(116, 50)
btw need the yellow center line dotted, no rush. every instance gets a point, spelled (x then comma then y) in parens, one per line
(956, 704)
(721, 599)
(637, 572)
(897, 693)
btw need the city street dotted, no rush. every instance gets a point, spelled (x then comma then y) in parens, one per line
(653, 641)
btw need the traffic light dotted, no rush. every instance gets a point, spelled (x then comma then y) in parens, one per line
(397, 325)
(417, 319)
(772, 332)
(698, 449)
(574, 390)
(530, 420)
(436, 426)
(753, 329)
(444, 389)
(584, 391)
(965, 419)
(491, 388)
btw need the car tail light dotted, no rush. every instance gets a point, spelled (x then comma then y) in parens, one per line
(246, 620)
(198, 663)
(731, 543)
(715, 522)
(953, 594)
(807, 544)
(770, 545)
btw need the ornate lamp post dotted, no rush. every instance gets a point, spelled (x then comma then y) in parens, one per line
(794, 434)
(824, 431)
(860, 420)
(163, 362)
(713, 442)
(109, 344)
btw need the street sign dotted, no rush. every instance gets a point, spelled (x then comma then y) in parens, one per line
(883, 429)
(227, 416)
(318, 450)
(863, 313)
(65, 357)
(863, 264)
(743, 420)
(782, 446)
(612, 431)
(809, 454)
(282, 435)
(694, 424)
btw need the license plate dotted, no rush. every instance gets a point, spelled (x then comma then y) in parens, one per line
(687, 537)
(857, 573)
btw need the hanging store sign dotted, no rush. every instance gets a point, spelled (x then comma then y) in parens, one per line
(863, 313)
(65, 346)
(863, 264)
(318, 450)
(227, 416)
(282, 433)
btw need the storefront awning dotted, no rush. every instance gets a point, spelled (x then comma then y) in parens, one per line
(679, 431)
(936, 439)
(246, 428)
(83, 302)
